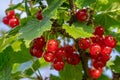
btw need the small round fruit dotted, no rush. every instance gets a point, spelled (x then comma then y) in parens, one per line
(84, 43)
(35, 51)
(39, 15)
(95, 73)
(95, 49)
(110, 41)
(52, 45)
(49, 57)
(106, 50)
(74, 59)
(58, 65)
(6, 20)
(10, 13)
(69, 50)
(82, 15)
(13, 22)
(60, 53)
(39, 41)
(99, 30)
(98, 64)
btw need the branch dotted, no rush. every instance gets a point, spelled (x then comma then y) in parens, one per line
(116, 76)
(72, 12)
(84, 60)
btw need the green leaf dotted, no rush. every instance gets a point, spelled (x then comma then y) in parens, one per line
(71, 72)
(116, 67)
(88, 2)
(6, 41)
(16, 45)
(103, 77)
(27, 9)
(77, 32)
(109, 64)
(108, 14)
(35, 28)
(20, 56)
(52, 77)
(36, 65)
(14, 6)
(5, 65)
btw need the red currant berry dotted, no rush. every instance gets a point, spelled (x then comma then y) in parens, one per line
(95, 49)
(99, 30)
(35, 51)
(39, 15)
(60, 53)
(98, 39)
(74, 59)
(84, 43)
(49, 57)
(106, 50)
(58, 65)
(98, 64)
(110, 41)
(10, 13)
(52, 45)
(13, 22)
(95, 73)
(105, 58)
(6, 20)
(69, 50)
(39, 41)
(82, 15)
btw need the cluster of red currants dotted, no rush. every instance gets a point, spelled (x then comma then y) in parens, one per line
(53, 53)
(11, 19)
(100, 48)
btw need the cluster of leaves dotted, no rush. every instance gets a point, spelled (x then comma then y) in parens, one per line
(14, 45)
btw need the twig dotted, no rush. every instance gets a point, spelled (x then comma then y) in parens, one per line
(72, 12)
(116, 76)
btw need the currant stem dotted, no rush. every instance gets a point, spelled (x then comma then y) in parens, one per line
(116, 76)
(72, 12)
(84, 60)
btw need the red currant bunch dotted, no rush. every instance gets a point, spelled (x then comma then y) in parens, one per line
(53, 53)
(11, 19)
(59, 55)
(100, 48)
(82, 15)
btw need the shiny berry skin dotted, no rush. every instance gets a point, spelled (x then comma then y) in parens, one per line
(106, 50)
(98, 64)
(49, 57)
(13, 22)
(82, 15)
(6, 20)
(95, 49)
(10, 13)
(74, 59)
(99, 30)
(60, 53)
(110, 41)
(39, 41)
(52, 45)
(98, 39)
(58, 65)
(39, 15)
(84, 43)
(69, 50)
(35, 51)
(95, 73)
